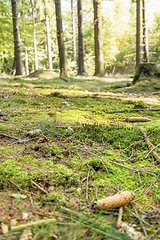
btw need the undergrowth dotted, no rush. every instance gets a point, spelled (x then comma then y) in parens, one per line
(79, 140)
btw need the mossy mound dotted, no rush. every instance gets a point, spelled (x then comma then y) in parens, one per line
(44, 74)
(148, 69)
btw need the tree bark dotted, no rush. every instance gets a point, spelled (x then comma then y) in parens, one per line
(145, 34)
(138, 48)
(73, 36)
(49, 54)
(61, 47)
(148, 69)
(98, 43)
(34, 32)
(17, 51)
(26, 59)
(81, 67)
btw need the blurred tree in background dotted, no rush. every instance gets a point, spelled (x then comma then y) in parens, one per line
(118, 34)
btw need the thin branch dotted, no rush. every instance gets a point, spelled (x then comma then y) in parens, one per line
(140, 218)
(119, 217)
(20, 188)
(87, 184)
(66, 80)
(26, 225)
(148, 189)
(125, 160)
(39, 187)
(9, 136)
(152, 150)
(133, 110)
(141, 223)
(153, 153)
(132, 169)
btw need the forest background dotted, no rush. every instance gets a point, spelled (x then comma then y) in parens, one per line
(118, 28)
(67, 142)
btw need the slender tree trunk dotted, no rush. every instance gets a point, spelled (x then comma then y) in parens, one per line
(49, 54)
(4, 63)
(13, 72)
(81, 67)
(98, 42)
(17, 51)
(138, 47)
(26, 69)
(73, 36)
(46, 51)
(26, 59)
(145, 34)
(34, 33)
(61, 48)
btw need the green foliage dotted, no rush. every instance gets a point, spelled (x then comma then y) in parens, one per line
(118, 38)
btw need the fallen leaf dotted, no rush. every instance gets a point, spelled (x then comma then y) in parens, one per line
(43, 139)
(13, 222)
(4, 228)
(18, 196)
(34, 132)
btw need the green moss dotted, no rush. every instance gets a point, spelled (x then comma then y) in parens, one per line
(76, 136)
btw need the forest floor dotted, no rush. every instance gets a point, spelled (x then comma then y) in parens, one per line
(66, 142)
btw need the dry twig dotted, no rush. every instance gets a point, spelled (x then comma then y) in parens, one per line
(9, 136)
(27, 225)
(132, 169)
(154, 154)
(87, 183)
(141, 223)
(39, 187)
(119, 217)
(20, 188)
(133, 110)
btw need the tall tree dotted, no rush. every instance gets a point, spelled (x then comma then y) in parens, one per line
(17, 51)
(60, 37)
(73, 36)
(34, 32)
(81, 67)
(49, 54)
(26, 59)
(138, 47)
(98, 42)
(145, 33)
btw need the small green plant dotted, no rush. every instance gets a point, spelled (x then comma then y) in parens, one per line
(55, 94)
(140, 104)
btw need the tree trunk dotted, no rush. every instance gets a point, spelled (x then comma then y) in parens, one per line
(145, 33)
(99, 64)
(61, 48)
(73, 36)
(4, 63)
(81, 67)
(148, 69)
(34, 32)
(49, 54)
(26, 59)
(17, 47)
(13, 72)
(138, 47)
